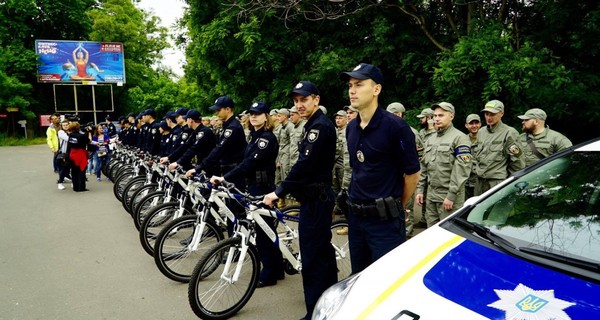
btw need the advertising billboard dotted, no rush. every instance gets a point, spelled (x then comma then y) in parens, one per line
(80, 62)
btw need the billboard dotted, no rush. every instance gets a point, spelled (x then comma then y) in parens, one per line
(80, 62)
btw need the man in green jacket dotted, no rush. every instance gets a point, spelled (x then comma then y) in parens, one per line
(538, 140)
(499, 152)
(445, 166)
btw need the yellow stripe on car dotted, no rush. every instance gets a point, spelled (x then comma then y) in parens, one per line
(394, 286)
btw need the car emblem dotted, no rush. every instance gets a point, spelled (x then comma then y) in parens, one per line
(528, 304)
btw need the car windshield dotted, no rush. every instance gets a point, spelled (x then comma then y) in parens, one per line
(554, 209)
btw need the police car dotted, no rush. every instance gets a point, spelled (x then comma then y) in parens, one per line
(526, 249)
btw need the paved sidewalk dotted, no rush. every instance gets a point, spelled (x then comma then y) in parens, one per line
(67, 255)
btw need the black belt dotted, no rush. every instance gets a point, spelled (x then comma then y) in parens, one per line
(363, 210)
(384, 209)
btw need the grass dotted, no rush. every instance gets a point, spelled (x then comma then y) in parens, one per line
(10, 141)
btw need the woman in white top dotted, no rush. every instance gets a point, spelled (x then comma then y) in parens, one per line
(64, 170)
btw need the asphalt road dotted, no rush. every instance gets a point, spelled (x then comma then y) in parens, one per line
(67, 255)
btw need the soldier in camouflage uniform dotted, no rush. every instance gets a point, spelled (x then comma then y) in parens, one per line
(398, 109)
(445, 166)
(499, 151)
(341, 152)
(427, 130)
(296, 137)
(284, 135)
(537, 139)
(473, 124)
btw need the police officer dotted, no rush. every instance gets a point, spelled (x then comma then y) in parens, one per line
(499, 152)
(445, 167)
(229, 150)
(111, 129)
(258, 169)
(152, 136)
(197, 141)
(385, 170)
(537, 139)
(309, 181)
(473, 124)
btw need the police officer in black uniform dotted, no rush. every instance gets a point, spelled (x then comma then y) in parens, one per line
(385, 170)
(152, 136)
(111, 129)
(258, 169)
(230, 147)
(200, 143)
(180, 124)
(165, 139)
(309, 181)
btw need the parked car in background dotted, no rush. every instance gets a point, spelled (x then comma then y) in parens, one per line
(526, 249)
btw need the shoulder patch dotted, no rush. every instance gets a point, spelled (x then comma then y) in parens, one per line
(227, 133)
(199, 135)
(262, 143)
(313, 135)
(153, 131)
(514, 149)
(184, 136)
(460, 150)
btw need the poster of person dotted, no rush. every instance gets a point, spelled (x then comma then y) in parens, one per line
(80, 61)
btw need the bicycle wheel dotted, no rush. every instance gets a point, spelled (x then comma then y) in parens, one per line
(177, 249)
(156, 220)
(285, 237)
(120, 183)
(339, 240)
(145, 205)
(128, 191)
(210, 294)
(139, 194)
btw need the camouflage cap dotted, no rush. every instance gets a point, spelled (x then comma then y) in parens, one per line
(427, 112)
(534, 113)
(445, 106)
(494, 106)
(473, 117)
(395, 107)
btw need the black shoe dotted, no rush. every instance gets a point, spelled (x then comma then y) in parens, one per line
(262, 284)
(420, 225)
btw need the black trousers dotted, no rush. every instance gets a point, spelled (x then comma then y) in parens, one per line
(78, 177)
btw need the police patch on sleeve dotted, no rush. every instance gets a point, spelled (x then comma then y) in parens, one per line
(262, 143)
(313, 135)
(227, 133)
(514, 149)
(153, 131)
(463, 152)
(184, 136)
(199, 135)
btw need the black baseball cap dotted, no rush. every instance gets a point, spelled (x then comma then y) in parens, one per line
(194, 115)
(222, 102)
(259, 107)
(364, 71)
(181, 111)
(305, 88)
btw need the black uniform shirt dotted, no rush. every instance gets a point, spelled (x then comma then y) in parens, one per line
(230, 147)
(380, 155)
(316, 156)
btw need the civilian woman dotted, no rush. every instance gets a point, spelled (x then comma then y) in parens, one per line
(100, 140)
(78, 142)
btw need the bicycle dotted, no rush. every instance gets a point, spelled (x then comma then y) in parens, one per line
(226, 276)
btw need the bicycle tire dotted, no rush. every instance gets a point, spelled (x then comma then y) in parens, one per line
(341, 247)
(212, 297)
(172, 254)
(139, 194)
(129, 189)
(156, 220)
(120, 183)
(113, 170)
(145, 205)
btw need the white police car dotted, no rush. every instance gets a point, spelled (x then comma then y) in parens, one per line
(527, 249)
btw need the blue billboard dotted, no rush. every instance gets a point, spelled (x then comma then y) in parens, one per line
(80, 61)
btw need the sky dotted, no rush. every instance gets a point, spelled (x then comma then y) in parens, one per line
(168, 11)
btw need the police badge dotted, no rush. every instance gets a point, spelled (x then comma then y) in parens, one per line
(360, 156)
(313, 135)
(262, 143)
(227, 133)
(199, 135)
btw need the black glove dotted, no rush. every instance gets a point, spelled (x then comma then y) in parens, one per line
(341, 199)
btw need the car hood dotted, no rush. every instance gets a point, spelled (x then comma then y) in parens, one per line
(439, 275)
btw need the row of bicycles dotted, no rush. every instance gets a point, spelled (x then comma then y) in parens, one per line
(189, 227)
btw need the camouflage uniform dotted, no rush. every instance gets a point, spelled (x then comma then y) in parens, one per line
(445, 167)
(540, 145)
(498, 155)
